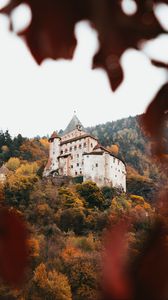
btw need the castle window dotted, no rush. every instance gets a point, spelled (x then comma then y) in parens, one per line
(62, 151)
(80, 172)
(70, 149)
(84, 145)
(113, 159)
(118, 162)
(71, 157)
(71, 166)
(80, 146)
(77, 155)
(77, 164)
(82, 162)
(96, 165)
(76, 173)
(91, 145)
(75, 147)
(66, 150)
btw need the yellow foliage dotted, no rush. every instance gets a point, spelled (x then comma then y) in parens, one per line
(27, 169)
(13, 163)
(70, 198)
(45, 143)
(24, 177)
(137, 198)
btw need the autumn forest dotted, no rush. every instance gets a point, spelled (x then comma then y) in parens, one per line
(68, 225)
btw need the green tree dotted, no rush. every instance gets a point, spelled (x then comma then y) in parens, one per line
(91, 193)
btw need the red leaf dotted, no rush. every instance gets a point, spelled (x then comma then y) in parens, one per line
(13, 248)
(51, 32)
(116, 279)
(155, 117)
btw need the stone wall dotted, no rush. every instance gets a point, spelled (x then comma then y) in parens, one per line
(59, 180)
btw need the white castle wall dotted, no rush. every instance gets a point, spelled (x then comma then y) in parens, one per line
(94, 169)
(74, 155)
(105, 170)
(54, 153)
(76, 150)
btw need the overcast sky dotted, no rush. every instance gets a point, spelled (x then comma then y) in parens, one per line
(35, 100)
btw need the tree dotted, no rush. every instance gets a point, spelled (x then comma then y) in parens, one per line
(51, 35)
(91, 193)
(69, 199)
(82, 273)
(72, 219)
(33, 150)
(52, 284)
(141, 186)
(13, 163)
(20, 183)
(114, 149)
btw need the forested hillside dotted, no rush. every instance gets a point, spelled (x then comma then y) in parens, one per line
(67, 225)
(126, 139)
(132, 146)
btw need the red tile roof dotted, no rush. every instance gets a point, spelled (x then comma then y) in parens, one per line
(98, 146)
(54, 136)
(78, 138)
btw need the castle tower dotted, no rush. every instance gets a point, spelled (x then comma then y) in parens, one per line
(54, 151)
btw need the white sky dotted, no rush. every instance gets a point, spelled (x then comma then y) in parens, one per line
(35, 100)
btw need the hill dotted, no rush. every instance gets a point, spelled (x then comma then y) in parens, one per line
(67, 225)
(123, 137)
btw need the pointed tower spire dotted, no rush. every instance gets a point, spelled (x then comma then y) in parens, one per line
(54, 136)
(73, 124)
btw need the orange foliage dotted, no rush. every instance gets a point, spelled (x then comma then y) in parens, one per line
(114, 149)
(71, 252)
(45, 143)
(34, 247)
(34, 150)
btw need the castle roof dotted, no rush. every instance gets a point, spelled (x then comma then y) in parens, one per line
(54, 135)
(73, 124)
(99, 146)
(78, 138)
(94, 153)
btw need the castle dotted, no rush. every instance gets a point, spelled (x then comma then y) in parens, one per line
(78, 153)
